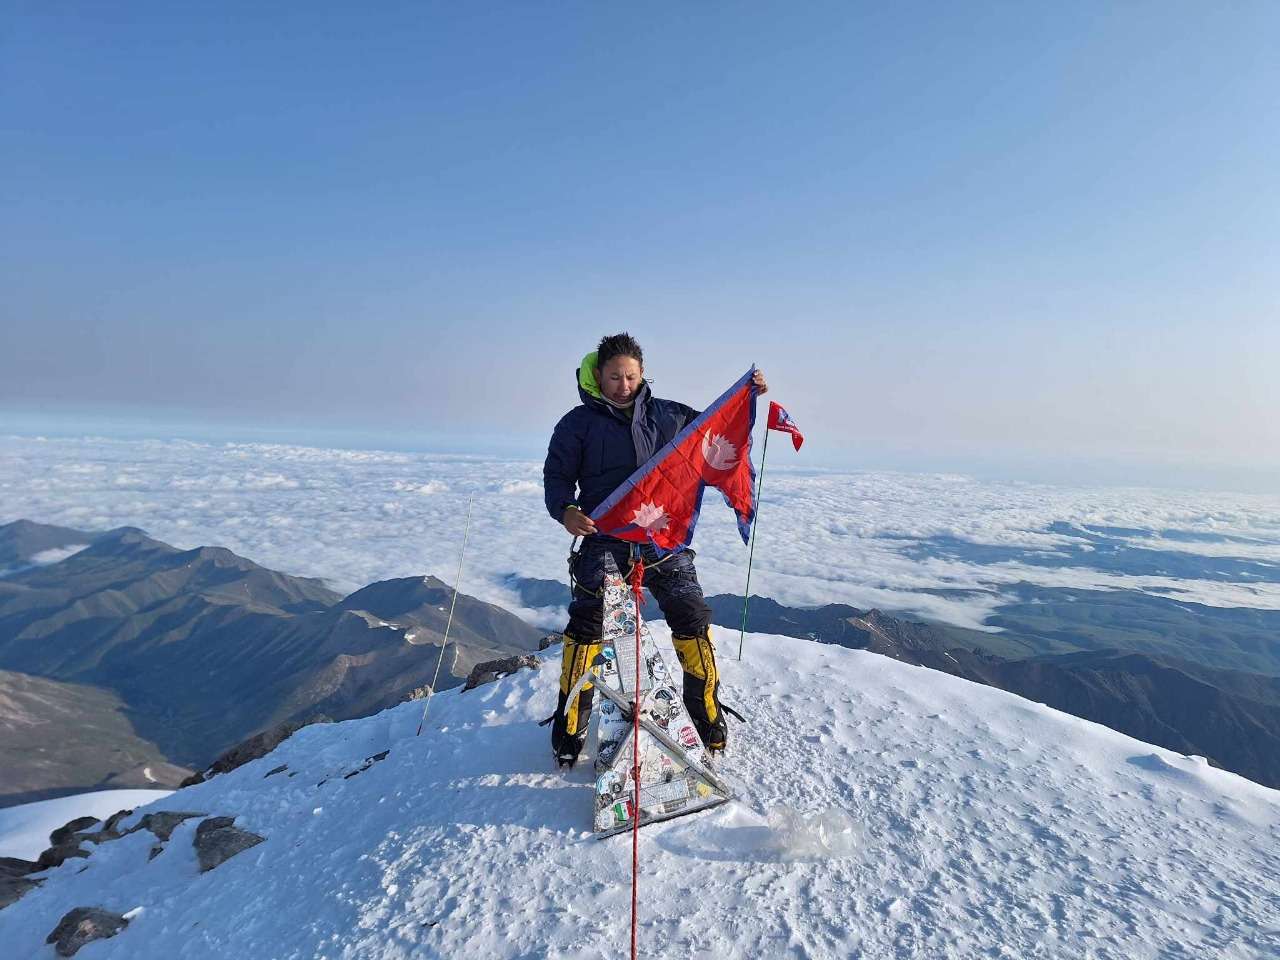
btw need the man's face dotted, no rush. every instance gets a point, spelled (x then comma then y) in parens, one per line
(620, 378)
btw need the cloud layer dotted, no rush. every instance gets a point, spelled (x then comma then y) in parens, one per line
(352, 517)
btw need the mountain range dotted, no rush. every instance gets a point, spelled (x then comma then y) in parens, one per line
(126, 662)
(130, 661)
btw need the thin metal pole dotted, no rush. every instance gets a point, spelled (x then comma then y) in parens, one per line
(751, 554)
(457, 581)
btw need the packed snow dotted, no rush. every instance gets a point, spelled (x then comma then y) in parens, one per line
(25, 829)
(884, 811)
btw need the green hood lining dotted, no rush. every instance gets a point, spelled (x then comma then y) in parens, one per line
(587, 376)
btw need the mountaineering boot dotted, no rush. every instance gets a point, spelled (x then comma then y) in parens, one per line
(702, 688)
(569, 724)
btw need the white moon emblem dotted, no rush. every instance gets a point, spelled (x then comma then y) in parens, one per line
(719, 453)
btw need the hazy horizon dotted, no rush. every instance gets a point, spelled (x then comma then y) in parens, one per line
(1034, 241)
(1099, 472)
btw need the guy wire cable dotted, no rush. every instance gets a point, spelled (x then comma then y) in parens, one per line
(457, 581)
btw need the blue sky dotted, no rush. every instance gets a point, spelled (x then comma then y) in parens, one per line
(1024, 239)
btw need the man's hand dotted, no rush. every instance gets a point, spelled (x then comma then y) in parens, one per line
(758, 380)
(577, 522)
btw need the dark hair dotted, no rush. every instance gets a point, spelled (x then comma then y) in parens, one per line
(618, 345)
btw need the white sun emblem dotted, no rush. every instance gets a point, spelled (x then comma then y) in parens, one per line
(719, 453)
(651, 517)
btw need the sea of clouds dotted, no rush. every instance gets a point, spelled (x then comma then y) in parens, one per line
(352, 517)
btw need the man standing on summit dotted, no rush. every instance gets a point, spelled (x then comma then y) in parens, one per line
(594, 448)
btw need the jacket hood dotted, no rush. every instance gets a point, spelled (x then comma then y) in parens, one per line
(589, 387)
(587, 376)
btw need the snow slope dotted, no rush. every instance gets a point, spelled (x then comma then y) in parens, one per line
(25, 829)
(886, 811)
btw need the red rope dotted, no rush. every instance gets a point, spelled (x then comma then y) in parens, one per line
(637, 585)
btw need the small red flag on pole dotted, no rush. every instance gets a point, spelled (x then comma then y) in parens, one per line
(779, 419)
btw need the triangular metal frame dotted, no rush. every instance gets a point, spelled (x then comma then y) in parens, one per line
(675, 774)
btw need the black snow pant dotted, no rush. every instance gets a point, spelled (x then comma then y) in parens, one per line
(673, 582)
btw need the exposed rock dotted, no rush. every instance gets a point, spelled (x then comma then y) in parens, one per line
(259, 745)
(13, 879)
(191, 781)
(13, 867)
(99, 836)
(495, 669)
(217, 841)
(12, 889)
(274, 770)
(213, 823)
(113, 821)
(368, 762)
(110, 829)
(550, 640)
(163, 823)
(54, 856)
(68, 842)
(65, 832)
(84, 925)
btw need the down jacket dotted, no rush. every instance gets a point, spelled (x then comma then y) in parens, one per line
(595, 447)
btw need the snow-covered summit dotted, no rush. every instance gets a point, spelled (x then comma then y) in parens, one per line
(885, 811)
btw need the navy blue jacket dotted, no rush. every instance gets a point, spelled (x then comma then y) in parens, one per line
(596, 447)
